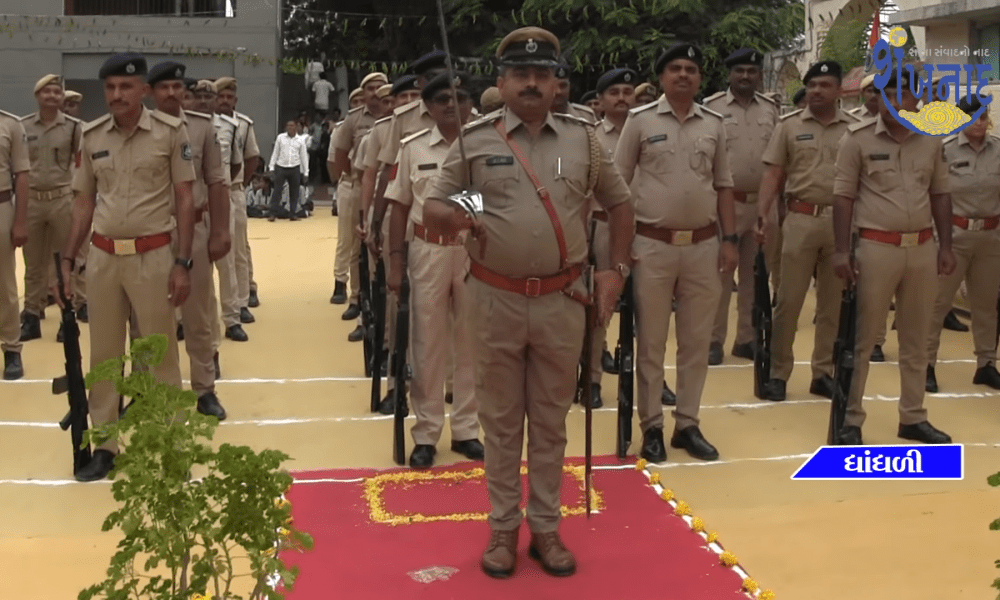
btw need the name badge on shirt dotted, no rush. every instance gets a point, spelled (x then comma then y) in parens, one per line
(961, 164)
(32, 138)
(427, 167)
(101, 154)
(499, 160)
(878, 157)
(803, 137)
(656, 138)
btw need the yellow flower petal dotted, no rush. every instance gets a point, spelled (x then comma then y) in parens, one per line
(654, 478)
(640, 464)
(667, 495)
(712, 537)
(728, 559)
(750, 585)
(697, 524)
(682, 509)
(766, 595)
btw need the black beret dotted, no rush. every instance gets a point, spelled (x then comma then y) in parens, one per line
(190, 83)
(588, 96)
(403, 84)
(970, 104)
(165, 71)
(824, 67)
(529, 46)
(744, 56)
(427, 62)
(681, 50)
(441, 82)
(616, 76)
(562, 71)
(126, 63)
(894, 81)
(799, 95)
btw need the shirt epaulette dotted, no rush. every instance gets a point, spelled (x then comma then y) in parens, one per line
(575, 118)
(27, 118)
(242, 117)
(382, 120)
(73, 119)
(857, 118)
(226, 118)
(950, 138)
(639, 109)
(168, 119)
(714, 96)
(99, 121)
(584, 108)
(414, 136)
(12, 116)
(860, 125)
(489, 118)
(406, 107)
(767, 98)
(995, 136)
(200, 115)
(791, 114)
(711, 112)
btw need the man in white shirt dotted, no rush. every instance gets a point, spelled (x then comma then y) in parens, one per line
(287, 160)
(321, 94)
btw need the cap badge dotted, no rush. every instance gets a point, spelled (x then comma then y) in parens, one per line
(753, 57)
(178, 73)
(531, 47)
(627, 78)
(130, 68)
(691, 51)
(824, 69)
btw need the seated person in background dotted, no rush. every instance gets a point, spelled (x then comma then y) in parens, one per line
(259, 196)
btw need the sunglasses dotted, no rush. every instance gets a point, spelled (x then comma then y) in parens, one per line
(445, 97)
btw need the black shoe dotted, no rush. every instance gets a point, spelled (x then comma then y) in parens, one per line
(923, 432)
(987, 375)
(81, 313)
(608, 364)
(952, 323)
(774, 390)
(351, 313)
(357, 335)
(822, 386)
(12, 367)
(236, 333)
(849, 435)
(743, 351)
(691, 439)
(449, 398)
(388, 405)
(715, 354)
(209, 405)
(98, 468)
(61, 334)
(50, 299)
(180, 332)
(422, 456)
(254, 301)
(471, 449)
(668, 397)
(31, 329)
(652, 445)
(595, 396)
(931, 385)
(246, 316)
(877, 355)
(218, 370)
(339, 293)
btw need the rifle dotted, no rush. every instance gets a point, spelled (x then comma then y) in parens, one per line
(761, 318)
(378, 332)
(399, 365)
(843, 356)
(585, 377)
(365, 302)
(625, 353)
(72, 383)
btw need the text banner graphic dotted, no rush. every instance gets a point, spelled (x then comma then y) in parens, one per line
(885, 463)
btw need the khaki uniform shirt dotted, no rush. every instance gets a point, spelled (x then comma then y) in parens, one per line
(13, 150)
(134, 174)
(245, 146)
(975, 176)
(406, 120)
(582, 112)
(674, 169)
(348, 135)
(376, 139)
(52, 150)
(206, 155)
(748, 131)
(521, 241)
(807, 151)
(607, 135)
(420, 159)
(227, 131)
(891, 181)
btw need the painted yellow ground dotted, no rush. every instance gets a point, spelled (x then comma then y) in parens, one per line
(807, 541)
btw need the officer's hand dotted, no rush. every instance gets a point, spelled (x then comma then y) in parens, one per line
(178, 286)
(727, 257)
(394, 279)
(360, 232)
(946, 262)
(19, 234)
(219, 245)
(374, 242)
(608, 287)
(478, 231)
(64, 266)
(764, 224)
(843, 268)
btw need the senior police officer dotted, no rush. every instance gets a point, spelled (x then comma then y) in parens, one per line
(15, 167)
(802, 156)
(891, 184)
(139, 161)
(53, 139)
(973, 159)
(211, 238)
(749, 117)
(535, 170)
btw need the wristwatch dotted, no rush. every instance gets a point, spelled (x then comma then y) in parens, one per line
(624, 270)
(187, 263)
(731, 238)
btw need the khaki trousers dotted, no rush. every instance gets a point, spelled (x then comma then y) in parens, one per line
(808, 245)
(348, 244)
(228, 284)
(526, 352)
(120, 287)
(690, 274)
(437, 280)
(49, 223)
(910, 274)
(746, 220)
(241, 245)
(199, 312)
(10, 321)
(599, 335)
(977, 254)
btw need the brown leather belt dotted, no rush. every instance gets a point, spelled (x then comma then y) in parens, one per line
(531, 287)
(58, 192)
(677, 237)
(807, 208)
(904, 240)
(985, 224)
(433, 237)
(5, 196)
(601, 215)
(130, 246)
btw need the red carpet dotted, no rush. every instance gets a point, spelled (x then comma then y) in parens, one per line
(433, 527)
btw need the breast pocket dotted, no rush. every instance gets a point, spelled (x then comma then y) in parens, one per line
(497, 182)
(766, 125)
(422, 181)
(151, 168)
(104, 173)
(883, 173)
(573, 174)
(33, 154)
(732, 132)
(806, 151)
(659, 156)
(703, 157)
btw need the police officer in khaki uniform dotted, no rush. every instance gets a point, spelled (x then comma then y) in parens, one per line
(750, 118)
(524, 307)
(211, 239)
(438, 265)
(561, 104)
(490, 100)
(139, 161)
(71, 103)
(802, 156)
(52, 142)
(973, 158)
(645, 93)
(869, 109)
(890, 184)
(14, 177)
(591, 101)
(673, 152)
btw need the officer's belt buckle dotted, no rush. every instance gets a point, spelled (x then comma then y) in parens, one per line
(908, 240)
(977, 224)
(124, 247)
(682, 238)
(532, 287)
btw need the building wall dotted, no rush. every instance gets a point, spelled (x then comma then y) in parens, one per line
(36, 38)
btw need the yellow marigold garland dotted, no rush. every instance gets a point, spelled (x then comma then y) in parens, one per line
(750, 585)
(728, 559)
(682, 509)
(667, 495)
(712, 537)
(654, 478)
(697, 524)
(640, 464)
(766, 595)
